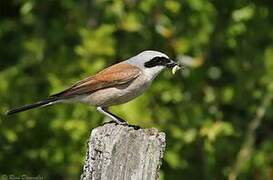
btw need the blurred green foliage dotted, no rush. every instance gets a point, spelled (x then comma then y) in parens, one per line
(45, 46)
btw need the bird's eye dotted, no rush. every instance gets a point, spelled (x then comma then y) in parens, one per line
(163, 61)
(157, 61)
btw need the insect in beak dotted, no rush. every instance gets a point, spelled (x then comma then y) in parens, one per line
(175, 68)
(174, 65)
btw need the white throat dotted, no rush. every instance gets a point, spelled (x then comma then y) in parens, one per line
(153, 72)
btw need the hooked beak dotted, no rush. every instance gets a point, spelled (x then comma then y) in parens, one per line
(171, 64)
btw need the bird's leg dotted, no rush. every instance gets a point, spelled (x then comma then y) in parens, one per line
(115, 118)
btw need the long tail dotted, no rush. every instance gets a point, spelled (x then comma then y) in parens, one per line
(46, 102)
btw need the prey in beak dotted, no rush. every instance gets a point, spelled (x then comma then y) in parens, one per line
(174, 65)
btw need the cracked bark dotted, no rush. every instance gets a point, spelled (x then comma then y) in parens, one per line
(117, 152)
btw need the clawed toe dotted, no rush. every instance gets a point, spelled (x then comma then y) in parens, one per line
(136, 127)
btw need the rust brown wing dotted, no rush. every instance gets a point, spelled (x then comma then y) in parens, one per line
(117, 74)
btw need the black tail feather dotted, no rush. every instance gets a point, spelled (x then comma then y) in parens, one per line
(31, 106)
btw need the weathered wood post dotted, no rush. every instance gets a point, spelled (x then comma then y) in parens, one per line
(117, 152)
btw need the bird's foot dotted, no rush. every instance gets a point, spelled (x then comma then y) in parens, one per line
(120, 121)
(115, 118)
(136, 127)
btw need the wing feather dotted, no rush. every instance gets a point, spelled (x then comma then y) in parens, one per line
(117, 74)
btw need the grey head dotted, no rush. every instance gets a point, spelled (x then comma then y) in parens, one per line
(151, 62)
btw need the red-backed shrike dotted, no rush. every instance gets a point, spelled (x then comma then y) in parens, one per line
(114, 85)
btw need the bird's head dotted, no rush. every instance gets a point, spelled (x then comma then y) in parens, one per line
(152, 62)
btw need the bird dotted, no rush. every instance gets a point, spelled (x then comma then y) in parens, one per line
(114, 85)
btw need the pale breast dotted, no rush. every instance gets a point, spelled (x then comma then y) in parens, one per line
(120, 94)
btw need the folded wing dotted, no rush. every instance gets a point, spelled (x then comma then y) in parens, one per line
(117, 74)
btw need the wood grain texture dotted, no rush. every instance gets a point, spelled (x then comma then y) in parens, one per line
(117, 152)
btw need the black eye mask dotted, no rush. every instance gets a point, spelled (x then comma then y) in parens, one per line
(157, 61)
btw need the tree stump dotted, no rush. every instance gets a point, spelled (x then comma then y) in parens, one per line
(117, 152)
